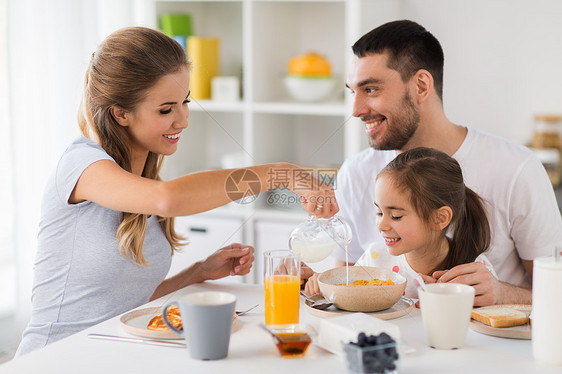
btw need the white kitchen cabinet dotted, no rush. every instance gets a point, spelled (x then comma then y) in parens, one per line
(205, 235)
(257, 39)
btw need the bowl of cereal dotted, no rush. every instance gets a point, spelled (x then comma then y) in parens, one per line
(369, 289)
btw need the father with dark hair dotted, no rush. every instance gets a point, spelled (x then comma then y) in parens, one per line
(397, 82)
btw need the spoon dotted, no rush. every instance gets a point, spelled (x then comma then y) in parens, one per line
(320, 304)
(241, 313)
(421, 282)
(272, 333)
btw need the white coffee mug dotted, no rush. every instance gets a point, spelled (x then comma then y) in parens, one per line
(446, 309)
(207, 322)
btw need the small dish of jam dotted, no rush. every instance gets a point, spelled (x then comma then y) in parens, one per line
(293, 341)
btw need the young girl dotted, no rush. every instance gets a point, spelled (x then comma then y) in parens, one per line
(107, 233)
(429, 220)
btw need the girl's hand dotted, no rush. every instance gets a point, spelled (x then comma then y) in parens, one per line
(427, 279)
(235, 259)
(306, 273)
(489, 290)
(311, 288)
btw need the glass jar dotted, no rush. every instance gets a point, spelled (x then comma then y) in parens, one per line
(315, 239)
(546, 131)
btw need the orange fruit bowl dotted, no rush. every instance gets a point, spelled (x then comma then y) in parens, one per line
(310, 65)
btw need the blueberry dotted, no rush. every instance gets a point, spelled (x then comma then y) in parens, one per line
(391, 351)
(374, 361)
(384, 338)
(377, 367)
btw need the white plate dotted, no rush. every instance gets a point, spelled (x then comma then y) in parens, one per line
(135, 322)
(402, 307)
(515, 332)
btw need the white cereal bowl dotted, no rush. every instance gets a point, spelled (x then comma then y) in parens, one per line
(309, 89)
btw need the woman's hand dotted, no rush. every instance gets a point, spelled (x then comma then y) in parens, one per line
(320, 202)
(235, 259)
(317, 197)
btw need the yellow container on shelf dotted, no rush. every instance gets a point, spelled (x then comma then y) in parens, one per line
(546, 132)
(204, 56)
(550, 159)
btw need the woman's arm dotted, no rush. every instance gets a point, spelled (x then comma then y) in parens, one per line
(235, 259)
(108, 185)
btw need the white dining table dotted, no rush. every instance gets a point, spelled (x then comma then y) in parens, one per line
(252, 350)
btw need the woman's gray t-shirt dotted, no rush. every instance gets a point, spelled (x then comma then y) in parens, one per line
(80, 277)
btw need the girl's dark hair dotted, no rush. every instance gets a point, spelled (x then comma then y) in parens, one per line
(433, 180)
(410, 48)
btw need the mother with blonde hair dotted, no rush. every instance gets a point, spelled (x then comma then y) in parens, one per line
(106, 233)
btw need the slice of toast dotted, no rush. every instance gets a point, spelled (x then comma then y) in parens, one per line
(500, 316)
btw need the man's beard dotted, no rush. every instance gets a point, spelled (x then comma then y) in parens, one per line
(403, 127)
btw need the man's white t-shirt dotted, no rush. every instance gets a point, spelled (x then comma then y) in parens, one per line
(520, 201)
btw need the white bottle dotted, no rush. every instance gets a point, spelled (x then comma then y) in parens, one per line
(547, 309)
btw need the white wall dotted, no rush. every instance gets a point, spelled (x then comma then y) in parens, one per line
(502, 60)
(49, 45)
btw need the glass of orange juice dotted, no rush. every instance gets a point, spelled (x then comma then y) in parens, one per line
(282, 288)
